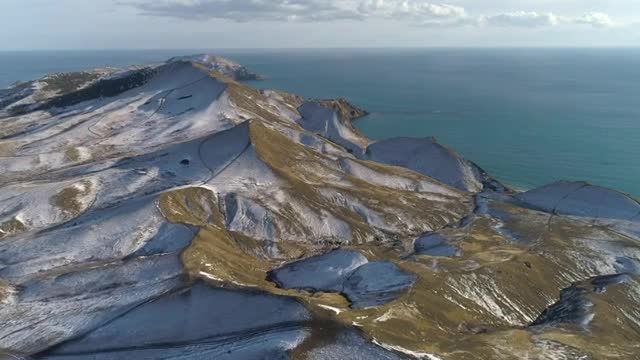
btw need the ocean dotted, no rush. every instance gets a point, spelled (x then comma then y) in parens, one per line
(527, 116)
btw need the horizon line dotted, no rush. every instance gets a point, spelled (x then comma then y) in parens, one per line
(335, 48)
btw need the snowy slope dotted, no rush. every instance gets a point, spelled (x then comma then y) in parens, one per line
(169, 211)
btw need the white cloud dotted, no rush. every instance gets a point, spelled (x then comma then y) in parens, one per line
(415, 9)
(521, 19)
(596, 19)
(301, 10)
(534, 19)
(417, 12)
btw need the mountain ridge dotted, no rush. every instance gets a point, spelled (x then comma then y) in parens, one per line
(176, 179)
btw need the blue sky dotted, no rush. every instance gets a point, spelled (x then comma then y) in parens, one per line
(189, 24)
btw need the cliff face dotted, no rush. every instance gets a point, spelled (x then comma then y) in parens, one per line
(169, 211)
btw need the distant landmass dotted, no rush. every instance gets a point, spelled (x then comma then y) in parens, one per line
(170, 210)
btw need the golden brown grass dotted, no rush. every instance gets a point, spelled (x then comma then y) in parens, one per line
(68, 201)
(71, 154)
(11, 227)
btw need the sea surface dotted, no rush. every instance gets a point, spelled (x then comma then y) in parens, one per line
(527, 116)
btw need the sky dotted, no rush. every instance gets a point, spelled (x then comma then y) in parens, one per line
(226, 24)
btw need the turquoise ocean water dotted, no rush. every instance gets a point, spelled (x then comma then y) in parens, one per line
(528, 116)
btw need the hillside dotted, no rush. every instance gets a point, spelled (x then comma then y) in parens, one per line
(168, 211)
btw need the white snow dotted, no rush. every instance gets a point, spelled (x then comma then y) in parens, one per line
(484, 292)
(104, 235)
(331, 308)
(582, 199)
(415, 354)
(419, 184)
(33, 205)
(427, 157)
(324, 121)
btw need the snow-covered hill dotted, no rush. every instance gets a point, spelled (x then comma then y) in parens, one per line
(169, 211)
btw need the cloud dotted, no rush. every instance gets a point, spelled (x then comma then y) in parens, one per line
(521, 19)
(535, 19)
(417, 12)
(301, 10)
(596, 19)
